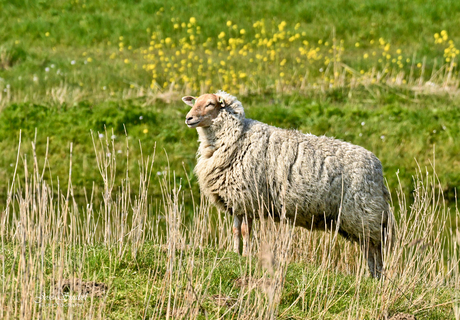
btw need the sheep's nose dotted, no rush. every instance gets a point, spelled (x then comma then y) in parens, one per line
(189, 118)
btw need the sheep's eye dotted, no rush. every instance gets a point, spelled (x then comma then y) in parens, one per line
(209, 105)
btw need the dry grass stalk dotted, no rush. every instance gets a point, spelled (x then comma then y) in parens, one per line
(43, 224)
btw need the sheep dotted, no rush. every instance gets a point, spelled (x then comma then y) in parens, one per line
(319, 181)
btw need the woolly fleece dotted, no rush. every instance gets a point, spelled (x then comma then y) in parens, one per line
(243, 162)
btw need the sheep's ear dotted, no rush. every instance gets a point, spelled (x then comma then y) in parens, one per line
(221, 101)
(189, 100)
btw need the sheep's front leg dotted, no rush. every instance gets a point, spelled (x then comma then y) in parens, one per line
(236, 232)
(246, 227)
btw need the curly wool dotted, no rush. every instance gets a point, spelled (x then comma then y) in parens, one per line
(319, 181)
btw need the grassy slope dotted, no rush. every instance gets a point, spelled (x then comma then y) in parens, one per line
(397, 128)
(407, 122)
(81, 23)
(131, 281)
(38, 34)
(77, 27)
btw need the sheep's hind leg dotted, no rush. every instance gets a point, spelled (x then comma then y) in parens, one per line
(236, 232)
(375, 261)
(246, 228)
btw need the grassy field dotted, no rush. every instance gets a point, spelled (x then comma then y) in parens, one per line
(90, 93)
(160, 265)
(402, 130)
(105, 65)
(88, 50)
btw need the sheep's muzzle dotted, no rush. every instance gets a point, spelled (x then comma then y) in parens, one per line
(192, 122)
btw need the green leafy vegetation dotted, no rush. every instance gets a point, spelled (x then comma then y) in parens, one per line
(400, 129)
(90, 94)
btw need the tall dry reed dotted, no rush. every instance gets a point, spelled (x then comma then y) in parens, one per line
(47, 237)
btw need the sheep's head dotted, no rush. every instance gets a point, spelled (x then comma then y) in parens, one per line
(204, 109)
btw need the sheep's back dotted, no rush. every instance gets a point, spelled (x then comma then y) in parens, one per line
(305, 175)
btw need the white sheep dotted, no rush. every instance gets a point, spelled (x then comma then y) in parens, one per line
(321, 181)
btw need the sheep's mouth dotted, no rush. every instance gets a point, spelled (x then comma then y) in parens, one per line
(192, 124)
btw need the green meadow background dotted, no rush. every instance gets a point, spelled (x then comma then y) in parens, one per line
(69, 68)
(87, 79)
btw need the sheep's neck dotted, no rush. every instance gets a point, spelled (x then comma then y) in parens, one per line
(224, 131)
(207, 142)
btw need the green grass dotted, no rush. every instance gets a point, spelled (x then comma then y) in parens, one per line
(74, 72)
(93, 23)
(99, 95)
(36, 35)
(160, 258)
(131, 281)
(398, 127)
